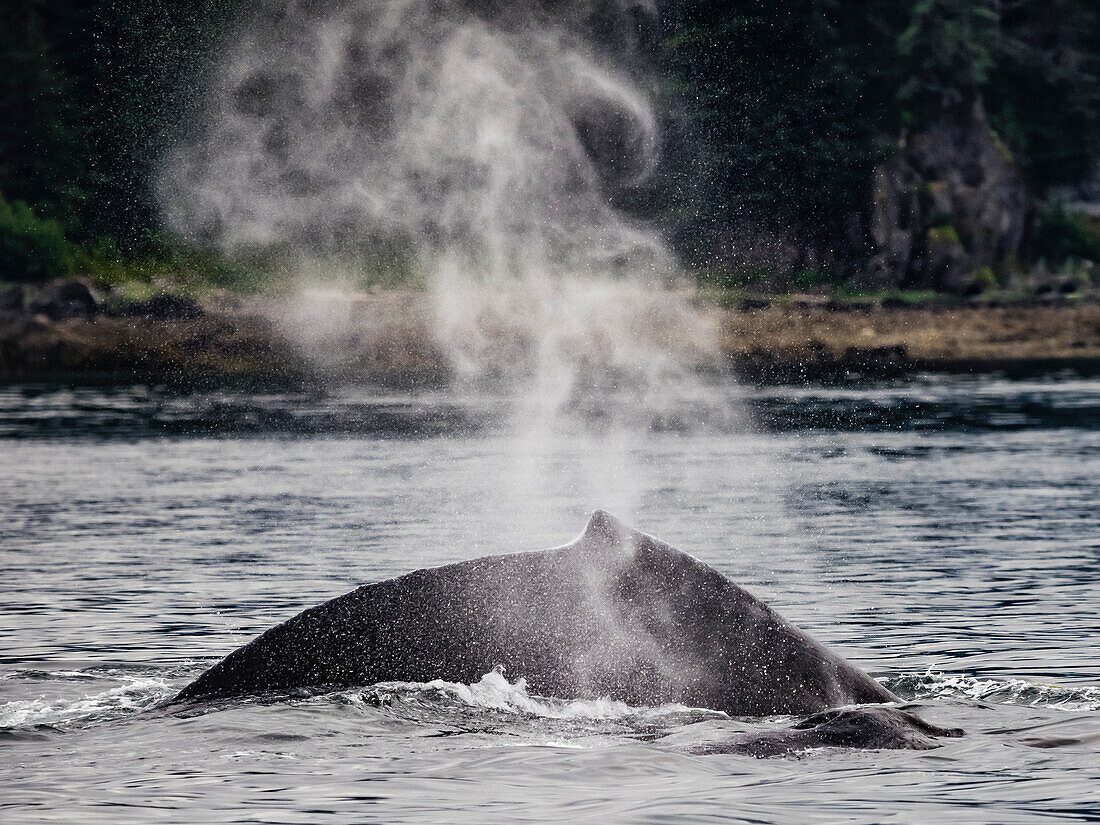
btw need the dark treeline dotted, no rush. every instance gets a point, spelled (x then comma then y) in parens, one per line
(886, 142)
(792, 105)
(90, 93)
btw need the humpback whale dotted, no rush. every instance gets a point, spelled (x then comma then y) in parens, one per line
(615, 613)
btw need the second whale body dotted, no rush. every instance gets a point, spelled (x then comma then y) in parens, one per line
(616, 613)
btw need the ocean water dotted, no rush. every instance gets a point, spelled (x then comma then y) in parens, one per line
(941, 532)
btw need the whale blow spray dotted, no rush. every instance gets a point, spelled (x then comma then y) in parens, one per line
(490, 139)
(488, 135)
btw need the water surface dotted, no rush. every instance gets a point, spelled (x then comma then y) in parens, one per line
(941, 532)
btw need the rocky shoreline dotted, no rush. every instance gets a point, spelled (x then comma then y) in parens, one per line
(65, 335)
(799, 341)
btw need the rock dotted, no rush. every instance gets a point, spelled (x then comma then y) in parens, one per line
(849, 306)
(753, 304)
(951, 202)
(64, 299)
(164, 308)
(894, 212)
(891, 302)
(945, 264)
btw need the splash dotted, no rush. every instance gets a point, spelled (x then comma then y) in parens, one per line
(134, 695)
(494, 692)
(932, 685)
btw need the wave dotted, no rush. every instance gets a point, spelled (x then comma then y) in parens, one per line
(134, 695)
(494, 692)
(934, 685)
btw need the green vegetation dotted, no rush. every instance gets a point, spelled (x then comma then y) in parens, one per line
(32, 246)
(914, 297)
(1062, 236)
(944, 235)
(810, 278)
(91, 93)
(985, 279)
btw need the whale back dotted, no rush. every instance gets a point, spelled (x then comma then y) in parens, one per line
(615, 613)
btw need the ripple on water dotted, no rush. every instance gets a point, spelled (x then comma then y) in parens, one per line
(953, 555)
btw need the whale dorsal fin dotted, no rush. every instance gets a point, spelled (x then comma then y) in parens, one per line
(605, 533)
(602, 526)
(607, 537)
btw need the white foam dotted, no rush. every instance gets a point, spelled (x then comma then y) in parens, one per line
(136, 694)
(934, 685)
(494, 692)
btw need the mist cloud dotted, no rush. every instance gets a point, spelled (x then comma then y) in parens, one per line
(489, 135)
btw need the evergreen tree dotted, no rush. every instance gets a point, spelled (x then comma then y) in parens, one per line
(948, 50)
(1043, 92)
(39, 161)
(784, 124)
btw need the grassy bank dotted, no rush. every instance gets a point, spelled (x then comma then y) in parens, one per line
(799, 340)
